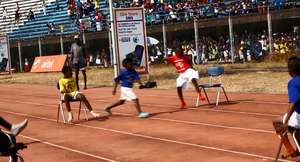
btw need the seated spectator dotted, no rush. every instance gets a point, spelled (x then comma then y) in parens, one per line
(67, 86)
(4, 14)
(51, 28)
(30, 15)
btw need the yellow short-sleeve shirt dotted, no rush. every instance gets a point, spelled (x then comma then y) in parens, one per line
(68, 86)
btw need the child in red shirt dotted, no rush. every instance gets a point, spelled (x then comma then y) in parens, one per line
(186, 73)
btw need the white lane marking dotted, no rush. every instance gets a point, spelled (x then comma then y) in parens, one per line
(153, 138)
(180, 121)
(163, 106)
(205, 124)
(68, 149)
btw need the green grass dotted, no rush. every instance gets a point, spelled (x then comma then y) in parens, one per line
(165, 75)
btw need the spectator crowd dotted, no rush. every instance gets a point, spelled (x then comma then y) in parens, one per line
(247, 47)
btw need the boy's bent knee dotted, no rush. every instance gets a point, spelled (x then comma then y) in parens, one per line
(278, 125)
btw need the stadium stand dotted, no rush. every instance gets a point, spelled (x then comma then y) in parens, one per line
(56, 14)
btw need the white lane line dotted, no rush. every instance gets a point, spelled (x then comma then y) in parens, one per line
(180, 121)
(68, 149)
(204, 124)
(173, 97)
(153, 138)
(163, 106)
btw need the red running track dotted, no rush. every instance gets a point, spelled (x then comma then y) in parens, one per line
(240, 131)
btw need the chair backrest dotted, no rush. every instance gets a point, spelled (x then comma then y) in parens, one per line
(215, 71)
(215, 74)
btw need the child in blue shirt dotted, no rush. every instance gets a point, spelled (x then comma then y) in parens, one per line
(291, 120)
(126, 79)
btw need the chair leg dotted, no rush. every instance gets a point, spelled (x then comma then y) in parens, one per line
(218, 96)
(58, 109)
(278, 150)
(197, 100)
(85, 113)
(225, 94)
(206, 95)
(296, 140)
(79, 111)
(61, 107)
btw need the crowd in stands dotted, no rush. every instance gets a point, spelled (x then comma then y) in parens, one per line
(247, 47)
(187, 10)
(86, 14)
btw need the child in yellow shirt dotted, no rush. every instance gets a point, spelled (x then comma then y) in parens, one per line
(67, 86)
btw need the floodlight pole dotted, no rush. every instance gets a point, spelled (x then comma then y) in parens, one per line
(9, 56)
(196, 39)
(40, 46)
(270, 30)
(20, 56)
(112, 28)
(110, 46)
(61, 44)
(164, 38)
(231, 39)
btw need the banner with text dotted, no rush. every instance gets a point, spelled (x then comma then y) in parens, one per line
(48, 63)
(131, 37)
(4, 55)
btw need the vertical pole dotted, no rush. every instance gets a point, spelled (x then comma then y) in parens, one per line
(164, 38)
(40, 46)
(83, 37)
(61, 44)
(20, 56)
(270, 31)
(112, 27)
(231, 39)
(110, 47)
(9, 57)
(196, 39)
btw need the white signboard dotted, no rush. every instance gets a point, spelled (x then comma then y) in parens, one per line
(131, 37)
(4, 55)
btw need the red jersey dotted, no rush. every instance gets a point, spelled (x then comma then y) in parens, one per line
(181, 63)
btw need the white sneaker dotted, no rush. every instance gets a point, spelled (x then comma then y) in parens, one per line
(70, 118)
(18, 128)
(95, 115)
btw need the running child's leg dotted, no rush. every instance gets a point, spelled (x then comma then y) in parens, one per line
(141, 114)
(137, 105)
(196, 85)
(5, 123)
(87, 104)
(118, 103)
(179, 92)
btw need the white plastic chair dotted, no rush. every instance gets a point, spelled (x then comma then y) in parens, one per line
(60, 109)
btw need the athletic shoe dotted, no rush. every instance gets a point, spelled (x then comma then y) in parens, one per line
(18, 128)
(95, 115)
(201, 97)
(70, 118)
(182, 105)
(144, 115)
(108, 110)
